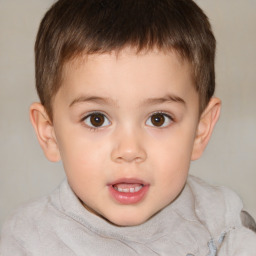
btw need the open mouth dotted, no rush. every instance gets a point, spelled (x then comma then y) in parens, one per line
(127, 191)
(128, 188)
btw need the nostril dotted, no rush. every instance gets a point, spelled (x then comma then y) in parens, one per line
(136, 156)
(128, 149)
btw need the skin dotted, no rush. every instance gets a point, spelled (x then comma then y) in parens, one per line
(127, 89)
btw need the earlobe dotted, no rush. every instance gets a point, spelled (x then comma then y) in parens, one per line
(205, 127)
(45, 131)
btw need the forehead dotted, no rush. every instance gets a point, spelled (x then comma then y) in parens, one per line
(105, 73)
(127, 59)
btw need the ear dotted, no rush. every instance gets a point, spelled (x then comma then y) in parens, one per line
(45, 131)
(205, 127)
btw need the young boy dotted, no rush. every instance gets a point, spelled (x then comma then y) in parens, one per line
(126, 90)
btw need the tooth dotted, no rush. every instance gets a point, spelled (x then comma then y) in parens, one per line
(138, 188)
(132, 190)
(124, 190)
(127, 190)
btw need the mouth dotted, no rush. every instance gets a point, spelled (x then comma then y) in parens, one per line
(128, 191)
(128, 188)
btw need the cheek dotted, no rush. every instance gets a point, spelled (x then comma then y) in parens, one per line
(173, 145)
(171, 167)
(172, 154)
(80, 154)
(171, 172)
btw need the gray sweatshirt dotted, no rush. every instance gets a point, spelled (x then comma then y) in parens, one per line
(202, 221)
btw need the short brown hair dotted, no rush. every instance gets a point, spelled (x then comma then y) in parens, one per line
(73, 27)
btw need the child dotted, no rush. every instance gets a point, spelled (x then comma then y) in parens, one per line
(126, 90)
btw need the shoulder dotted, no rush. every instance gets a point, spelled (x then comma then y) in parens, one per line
(220, 210)
(26, 213)
(239, 242)
(218, 201)
(23, 217)
(24, 223)
(18, 228)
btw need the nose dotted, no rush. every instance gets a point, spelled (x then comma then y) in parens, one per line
(128, 147)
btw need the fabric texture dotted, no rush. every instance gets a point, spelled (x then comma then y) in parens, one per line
(203, 221)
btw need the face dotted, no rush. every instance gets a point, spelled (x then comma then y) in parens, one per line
(125, 127)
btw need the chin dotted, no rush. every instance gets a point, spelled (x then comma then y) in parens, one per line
(126, 220)
(127, 223)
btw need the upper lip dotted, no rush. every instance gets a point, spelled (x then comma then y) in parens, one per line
(128, 181)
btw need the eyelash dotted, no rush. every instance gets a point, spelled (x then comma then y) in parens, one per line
(92, 128)
(163, 114)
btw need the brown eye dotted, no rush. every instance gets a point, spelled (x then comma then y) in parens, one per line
(159, 120)
(96, 120)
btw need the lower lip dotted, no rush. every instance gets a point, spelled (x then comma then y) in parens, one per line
(129, 198)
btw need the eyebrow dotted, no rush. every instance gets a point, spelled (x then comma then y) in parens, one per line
(95, 99)
(167, 98)
(108, 101)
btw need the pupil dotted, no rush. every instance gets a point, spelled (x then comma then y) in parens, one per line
(97, 120)
(157, 119)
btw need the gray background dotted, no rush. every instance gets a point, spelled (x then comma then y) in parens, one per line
(230, 157)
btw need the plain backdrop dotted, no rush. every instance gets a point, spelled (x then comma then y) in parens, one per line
(230, 158)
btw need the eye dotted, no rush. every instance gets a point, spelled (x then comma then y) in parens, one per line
(96, 120)
(159, 120)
